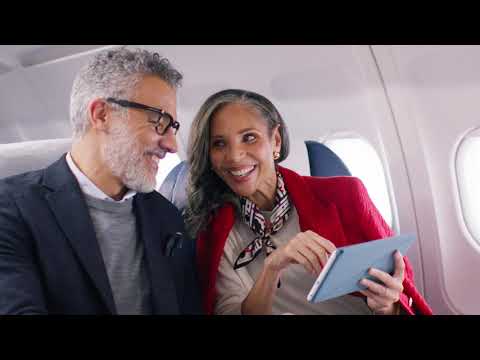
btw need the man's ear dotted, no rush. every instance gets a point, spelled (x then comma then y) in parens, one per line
(97, 114)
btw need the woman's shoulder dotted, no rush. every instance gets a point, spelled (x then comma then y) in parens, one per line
(332, 188)
(344, 191)
(335, 183)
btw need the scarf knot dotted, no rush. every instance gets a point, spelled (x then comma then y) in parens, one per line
(261, 226)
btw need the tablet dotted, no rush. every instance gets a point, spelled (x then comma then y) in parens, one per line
(347, 265)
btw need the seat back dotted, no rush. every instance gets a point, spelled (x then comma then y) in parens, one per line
(174, 187)
(324, 162)
(17, 158)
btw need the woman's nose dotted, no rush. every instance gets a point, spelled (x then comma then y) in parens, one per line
(235, 153)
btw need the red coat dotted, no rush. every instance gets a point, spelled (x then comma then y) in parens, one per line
(337, 208)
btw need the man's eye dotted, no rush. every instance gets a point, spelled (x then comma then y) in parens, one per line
(153, 117)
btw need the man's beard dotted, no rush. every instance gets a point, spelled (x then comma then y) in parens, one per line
(126, 160)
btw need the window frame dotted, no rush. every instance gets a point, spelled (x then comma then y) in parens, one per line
(463, 217)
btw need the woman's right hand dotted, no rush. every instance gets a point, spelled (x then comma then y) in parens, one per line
(306, 248)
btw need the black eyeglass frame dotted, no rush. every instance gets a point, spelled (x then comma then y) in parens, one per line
(175, 125)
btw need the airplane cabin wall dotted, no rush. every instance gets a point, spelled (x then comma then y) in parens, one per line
(35, 94)
(435, 92)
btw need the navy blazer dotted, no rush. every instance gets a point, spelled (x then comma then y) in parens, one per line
(50, 260)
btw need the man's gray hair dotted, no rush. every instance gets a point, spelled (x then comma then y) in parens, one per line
(115, 73)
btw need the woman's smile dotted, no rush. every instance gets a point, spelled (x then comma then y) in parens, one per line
(241, 174)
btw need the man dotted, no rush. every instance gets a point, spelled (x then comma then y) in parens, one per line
(88, 235)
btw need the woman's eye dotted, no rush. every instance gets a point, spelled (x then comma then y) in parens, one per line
(218, 143)
(249, 138)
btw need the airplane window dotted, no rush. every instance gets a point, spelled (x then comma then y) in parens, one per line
(468, 177)
(363, 162)
(165, 166)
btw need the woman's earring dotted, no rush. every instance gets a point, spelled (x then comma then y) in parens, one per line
(276, 155)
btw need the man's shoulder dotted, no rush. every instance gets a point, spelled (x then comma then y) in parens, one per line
(20, 184)
(158, 200)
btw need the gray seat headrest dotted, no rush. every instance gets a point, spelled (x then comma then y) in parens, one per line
(17, 158)
(174, 187)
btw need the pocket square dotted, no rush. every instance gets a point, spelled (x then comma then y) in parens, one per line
(175, 241)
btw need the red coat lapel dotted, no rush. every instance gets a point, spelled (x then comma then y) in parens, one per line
(314, 214)
(210, 244)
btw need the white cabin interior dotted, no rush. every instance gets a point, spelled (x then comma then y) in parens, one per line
(403, 118)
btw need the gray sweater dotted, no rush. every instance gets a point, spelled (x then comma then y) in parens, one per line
(122, 253)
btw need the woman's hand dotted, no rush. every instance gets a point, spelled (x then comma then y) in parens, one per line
(306, 248)
(383, 299)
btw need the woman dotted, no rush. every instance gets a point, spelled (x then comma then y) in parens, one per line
(265, 232)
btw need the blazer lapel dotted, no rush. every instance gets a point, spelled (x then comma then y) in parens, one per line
(320, 217)
(152, 224)
(71, 212)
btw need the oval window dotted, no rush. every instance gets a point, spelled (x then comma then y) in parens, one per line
(468, 177)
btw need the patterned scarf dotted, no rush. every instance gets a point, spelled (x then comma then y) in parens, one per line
(261, 226)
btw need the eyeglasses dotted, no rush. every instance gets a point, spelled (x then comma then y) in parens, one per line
(162, 123)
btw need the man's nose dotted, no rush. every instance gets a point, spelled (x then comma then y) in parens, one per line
(169, 141)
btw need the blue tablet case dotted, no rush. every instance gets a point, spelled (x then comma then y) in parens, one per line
(349, 264)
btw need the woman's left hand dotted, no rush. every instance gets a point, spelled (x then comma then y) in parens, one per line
(383, 298)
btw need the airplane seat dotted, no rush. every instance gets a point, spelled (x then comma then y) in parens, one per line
(174, 187)
(17, 158)
(324, 162)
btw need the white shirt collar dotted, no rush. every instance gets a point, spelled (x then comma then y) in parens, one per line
(88, 187)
